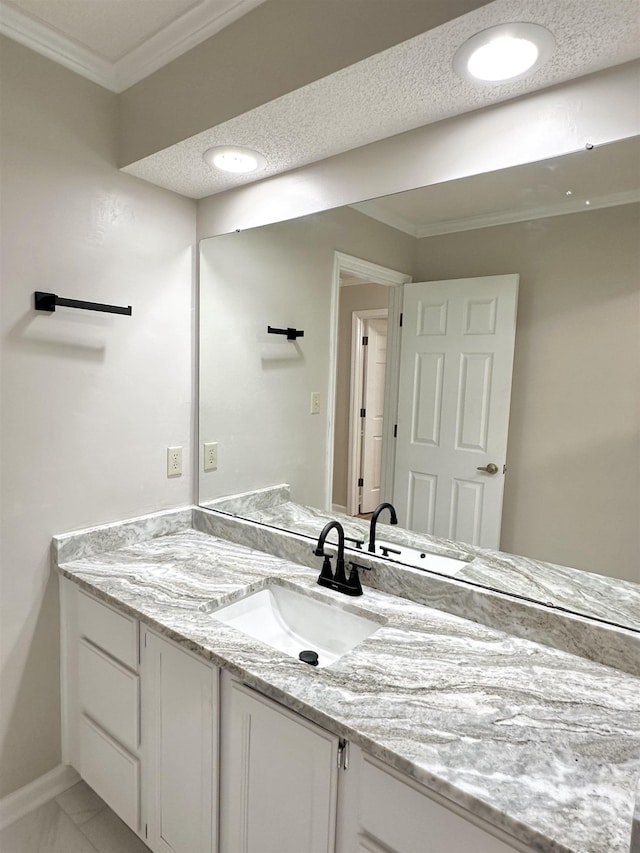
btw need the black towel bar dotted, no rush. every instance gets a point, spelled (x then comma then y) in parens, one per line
(291, 334)
(49, 301)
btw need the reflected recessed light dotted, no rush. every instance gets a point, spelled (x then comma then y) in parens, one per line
(234, 159)
(505, 52)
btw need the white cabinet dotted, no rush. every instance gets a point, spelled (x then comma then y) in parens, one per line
(289, 786)
(140, 724)
(397, 815)
(278, 778)
(102, 701)
(180, 704)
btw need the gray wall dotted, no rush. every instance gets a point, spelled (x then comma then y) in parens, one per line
(572, 491)
(90, 402)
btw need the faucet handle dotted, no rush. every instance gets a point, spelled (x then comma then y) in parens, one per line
(353, 581)
(326, 572)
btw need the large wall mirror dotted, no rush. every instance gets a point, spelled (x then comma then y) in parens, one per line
(564, 234)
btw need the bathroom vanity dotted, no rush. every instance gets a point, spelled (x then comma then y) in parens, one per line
(434, 733)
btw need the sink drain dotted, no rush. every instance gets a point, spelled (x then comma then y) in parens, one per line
(308, 656)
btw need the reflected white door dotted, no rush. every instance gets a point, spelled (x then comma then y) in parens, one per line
(453, 406)
(375, 362)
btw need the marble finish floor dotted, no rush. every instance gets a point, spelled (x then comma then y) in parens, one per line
(77, 821)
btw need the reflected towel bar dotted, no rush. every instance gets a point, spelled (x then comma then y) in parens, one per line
(291, 334)
(48, 302)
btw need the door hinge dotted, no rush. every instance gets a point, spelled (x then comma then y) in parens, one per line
(343, 754)
(395, 430)
(360, 481)
(146, 833)
(401, 315)
(504, 469)
(363, 413)
(365, 340)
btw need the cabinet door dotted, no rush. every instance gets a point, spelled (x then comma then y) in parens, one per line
(397, 816)
(179, 737)
(278, 778)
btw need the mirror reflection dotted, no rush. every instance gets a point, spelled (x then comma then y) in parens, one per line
(559, 240)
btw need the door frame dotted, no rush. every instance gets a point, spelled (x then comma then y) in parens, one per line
(376, 274)
(356, 387)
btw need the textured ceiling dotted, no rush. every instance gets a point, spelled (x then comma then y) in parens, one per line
(397, 90)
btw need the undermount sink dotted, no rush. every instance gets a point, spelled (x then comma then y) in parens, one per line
(293, 621)
(421, 559)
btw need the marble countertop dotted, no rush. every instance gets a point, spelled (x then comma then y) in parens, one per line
(610, 599)
(540, 743)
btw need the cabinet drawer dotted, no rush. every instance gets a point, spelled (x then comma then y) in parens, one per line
(109, 694)
(404, 819)
(111, 771)
(112, 631)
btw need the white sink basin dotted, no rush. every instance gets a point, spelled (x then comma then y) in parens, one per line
(421, 559)
(293, 622)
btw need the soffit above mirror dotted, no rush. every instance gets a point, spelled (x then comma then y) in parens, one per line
(400, 89)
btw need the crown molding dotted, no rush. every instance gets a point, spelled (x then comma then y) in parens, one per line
(376, 211)
(45, 41)
(183, 34)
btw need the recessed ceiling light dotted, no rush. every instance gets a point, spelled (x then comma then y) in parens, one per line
(505, 52)
(234, 159)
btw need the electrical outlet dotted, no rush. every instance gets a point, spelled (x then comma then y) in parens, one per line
(315, 402)
(174, 461)
(210, 455)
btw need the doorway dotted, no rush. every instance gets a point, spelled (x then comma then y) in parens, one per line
(361, 286)
(366, 408)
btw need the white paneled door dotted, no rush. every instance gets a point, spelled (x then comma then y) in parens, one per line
(375, 362)
(453, 406)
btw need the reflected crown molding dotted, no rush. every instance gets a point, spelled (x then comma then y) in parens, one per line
(376, 210)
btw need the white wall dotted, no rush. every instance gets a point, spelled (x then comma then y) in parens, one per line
(89, 401)
(255, 388)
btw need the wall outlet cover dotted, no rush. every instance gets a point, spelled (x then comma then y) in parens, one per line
(210, 455)
(174, 461)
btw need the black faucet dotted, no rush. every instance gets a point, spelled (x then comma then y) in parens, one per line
(339, 580)
(374, 519)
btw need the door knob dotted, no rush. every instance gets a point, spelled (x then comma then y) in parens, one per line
(491, 468)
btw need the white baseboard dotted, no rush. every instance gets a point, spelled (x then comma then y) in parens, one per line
(36, 793)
